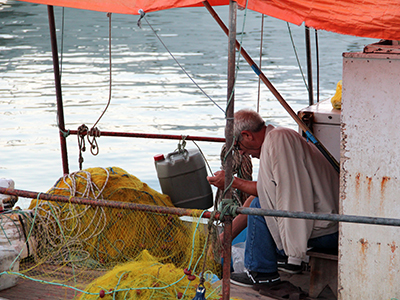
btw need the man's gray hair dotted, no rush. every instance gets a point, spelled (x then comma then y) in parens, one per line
(247, 119)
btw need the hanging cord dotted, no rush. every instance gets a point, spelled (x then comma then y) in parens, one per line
(261, 47)
(143, 16)
(204, 157)
(297, 57)
(238, 56)
(110, 68)
(94, 132)
(317, 58)
(82, 131)
(64, 133)
(212, 237)
(62, 41)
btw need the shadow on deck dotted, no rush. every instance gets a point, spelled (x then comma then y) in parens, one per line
(32, 290)
(301, 280)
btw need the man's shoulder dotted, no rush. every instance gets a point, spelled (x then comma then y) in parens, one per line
(278, 132)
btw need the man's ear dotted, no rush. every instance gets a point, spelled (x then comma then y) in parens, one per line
(248, 135)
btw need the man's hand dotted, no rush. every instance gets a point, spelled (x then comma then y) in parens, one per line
(218, 179)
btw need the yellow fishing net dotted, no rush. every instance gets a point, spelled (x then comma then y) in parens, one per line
(146, 278)
(136, 254)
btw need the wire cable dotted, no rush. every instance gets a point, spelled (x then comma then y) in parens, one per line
(142, 16)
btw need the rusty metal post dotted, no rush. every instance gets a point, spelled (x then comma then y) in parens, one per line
(274, 91)
(109, 203)
(154, 136)
(227, 246)
(229, 145)
(57, 80)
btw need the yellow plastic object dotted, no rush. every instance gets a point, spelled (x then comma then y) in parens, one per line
(336, 100)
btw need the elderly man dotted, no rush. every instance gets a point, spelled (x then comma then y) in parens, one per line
(294, 176)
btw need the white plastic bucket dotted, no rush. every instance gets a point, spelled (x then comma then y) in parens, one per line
(183, 177)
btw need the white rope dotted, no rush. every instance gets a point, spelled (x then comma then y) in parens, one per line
(53, 218)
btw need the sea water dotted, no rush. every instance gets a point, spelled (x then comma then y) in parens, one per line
(150, 93)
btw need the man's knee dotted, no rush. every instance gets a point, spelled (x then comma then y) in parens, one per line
(255, 203)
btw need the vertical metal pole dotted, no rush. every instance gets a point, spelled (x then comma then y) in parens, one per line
(309, 67)
(57, 79)
(317, 62)
(229, 143)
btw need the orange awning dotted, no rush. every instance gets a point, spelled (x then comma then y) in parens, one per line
(367, 18)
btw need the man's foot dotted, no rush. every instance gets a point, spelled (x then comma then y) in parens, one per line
(289, 268)
(254, 279)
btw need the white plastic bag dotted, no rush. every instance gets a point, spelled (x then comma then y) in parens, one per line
(238, 257)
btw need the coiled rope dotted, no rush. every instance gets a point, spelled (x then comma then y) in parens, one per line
(242, 167)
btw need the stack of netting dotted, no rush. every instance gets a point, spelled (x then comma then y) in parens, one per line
(146, 252)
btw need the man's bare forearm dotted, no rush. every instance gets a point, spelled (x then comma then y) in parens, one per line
(246, 186)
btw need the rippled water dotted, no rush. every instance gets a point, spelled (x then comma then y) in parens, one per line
(150, 92)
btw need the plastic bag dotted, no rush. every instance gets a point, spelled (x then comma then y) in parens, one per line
(238, 257)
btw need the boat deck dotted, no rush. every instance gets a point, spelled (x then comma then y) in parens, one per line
(33, 290)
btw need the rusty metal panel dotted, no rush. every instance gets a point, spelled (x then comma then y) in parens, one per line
(369, 255)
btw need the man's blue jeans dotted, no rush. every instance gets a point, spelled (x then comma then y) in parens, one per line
(261, 253)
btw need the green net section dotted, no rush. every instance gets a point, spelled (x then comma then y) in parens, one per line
(111, 252)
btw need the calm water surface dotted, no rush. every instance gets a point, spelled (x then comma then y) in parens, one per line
(150, 92)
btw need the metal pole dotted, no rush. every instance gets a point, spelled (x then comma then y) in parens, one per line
(318, 216)
(155, 136)
(274, 91)
(317, 61)
(57, 80)
(229, 145)
(309, 67)
(109, 203)
(205, 214)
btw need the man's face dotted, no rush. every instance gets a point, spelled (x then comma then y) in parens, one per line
(249, 145)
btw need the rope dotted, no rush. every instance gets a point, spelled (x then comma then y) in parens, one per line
(228, 186)
(204, 157)
(110, 66)
(297, 57)
(243, 167)
(62, 41)
(52, 215)
(94, 132)
(82, 130)
(259, 79)
(143, 16)
(227, 207)
(238, 58)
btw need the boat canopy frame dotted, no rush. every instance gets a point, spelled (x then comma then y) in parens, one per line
(229, 140)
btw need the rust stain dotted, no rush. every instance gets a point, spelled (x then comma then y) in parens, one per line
(369, 183)
(358, 175)
(393, 246)
(392, 263)
(384, 181)
(364, 245)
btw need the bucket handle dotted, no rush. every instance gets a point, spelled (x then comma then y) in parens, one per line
(185, 154)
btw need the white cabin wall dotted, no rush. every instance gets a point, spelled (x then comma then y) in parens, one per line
(369, 255)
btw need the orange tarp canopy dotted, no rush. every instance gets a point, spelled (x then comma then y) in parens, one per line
(367, 18)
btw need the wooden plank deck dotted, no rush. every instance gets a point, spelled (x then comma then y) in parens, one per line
(26, 289)
(31, 290)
